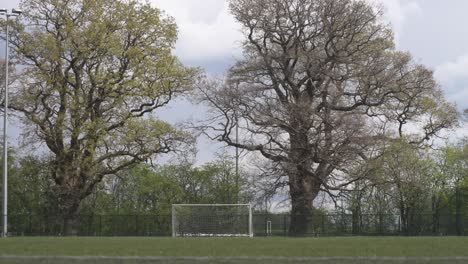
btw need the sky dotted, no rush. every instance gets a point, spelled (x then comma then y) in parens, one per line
(435, 32)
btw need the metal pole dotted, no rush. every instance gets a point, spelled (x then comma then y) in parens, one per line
(250, 221)
(173, 222)
(268, 228)
(237, 159)
(237, 148)
(5, 145)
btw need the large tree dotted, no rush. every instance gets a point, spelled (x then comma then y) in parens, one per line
(93, 72)
(320, 89)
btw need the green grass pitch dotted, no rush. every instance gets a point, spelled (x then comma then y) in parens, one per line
(20, 250)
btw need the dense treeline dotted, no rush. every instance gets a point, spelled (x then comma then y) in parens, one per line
(141, 190)
(406, 181)
(422, 186)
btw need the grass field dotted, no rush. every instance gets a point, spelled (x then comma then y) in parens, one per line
(131, 250)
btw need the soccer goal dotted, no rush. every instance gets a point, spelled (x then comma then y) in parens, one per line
(229, 220)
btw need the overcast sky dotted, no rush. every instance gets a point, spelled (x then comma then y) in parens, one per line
(434, 31)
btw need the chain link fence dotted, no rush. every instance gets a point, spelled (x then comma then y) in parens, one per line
(263, 225)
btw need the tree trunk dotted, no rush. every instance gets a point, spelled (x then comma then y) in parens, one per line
(404, 221)
(69, 203)
(302, 194)
(435, 215)
(71, 225)
(458, 212)
(356, 220)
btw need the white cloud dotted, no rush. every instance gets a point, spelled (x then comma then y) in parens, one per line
(207, 31)
(205, 11)
(397, 12)
(454, 79)
(197, 11)
(457, 69)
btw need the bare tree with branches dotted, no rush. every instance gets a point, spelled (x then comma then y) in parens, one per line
(320, 89)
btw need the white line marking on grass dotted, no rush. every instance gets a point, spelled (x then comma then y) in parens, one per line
(233, 258)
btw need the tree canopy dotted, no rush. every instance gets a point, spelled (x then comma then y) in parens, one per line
(93, 72)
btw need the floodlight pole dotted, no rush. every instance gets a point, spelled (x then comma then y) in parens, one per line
(14, 12)
(237, 158)
(5, 146)
(237, 147)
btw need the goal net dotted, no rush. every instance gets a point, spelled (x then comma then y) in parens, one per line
(212, 220)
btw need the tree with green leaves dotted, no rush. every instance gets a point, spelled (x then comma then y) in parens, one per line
(30, 187)
(153, 190)
(450, 191)
(407, 171)
(213, 182)
(93, 72)
(140, 190)
(29, 184)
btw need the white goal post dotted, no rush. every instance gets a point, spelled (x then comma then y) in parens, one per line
(212, 220)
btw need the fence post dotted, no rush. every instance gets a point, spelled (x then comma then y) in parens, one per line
(100, 225)
(30, 224)
(136, 225)
(285, 224)
(380, 223)
(323, 224)
(399, 225)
